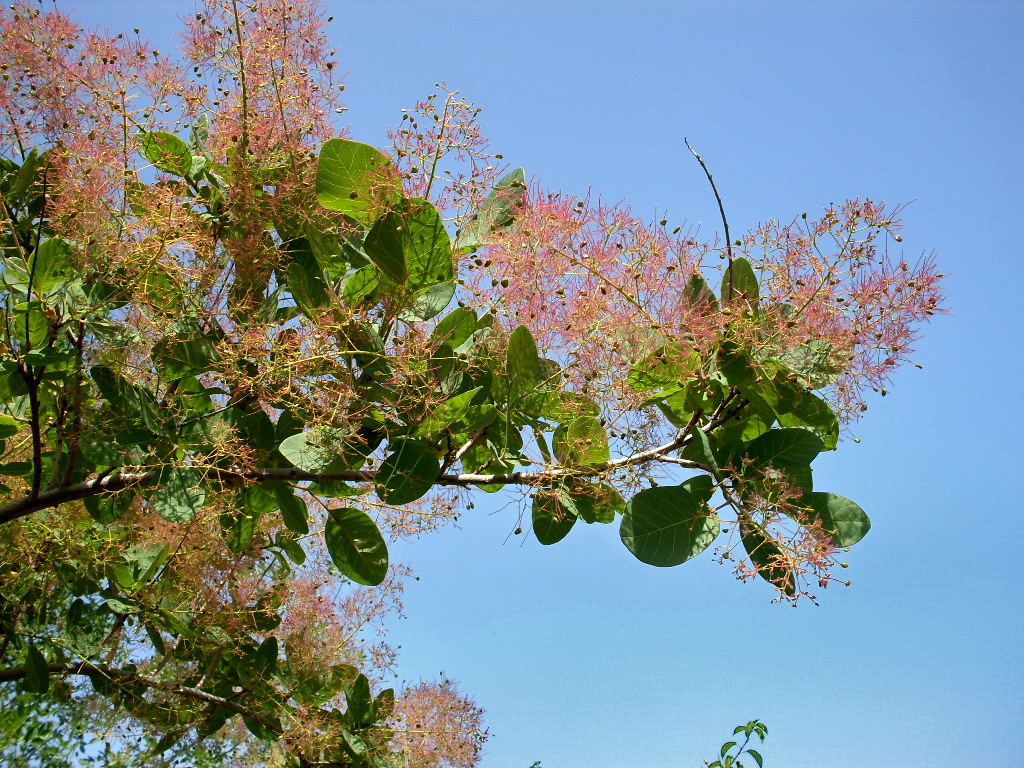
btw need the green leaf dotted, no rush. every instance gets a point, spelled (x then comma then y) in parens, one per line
(846, 521)
(498, 211)
(667, 525)
(522, 361)
(293, 510)
(428, 249)
(179, 496)
(558, 406)
(199, 134)
(178, 358)
(356, 546)
(767, 558)
(447, 413)
(385, 245)
(739, 278)
(552, 518)
(667, 366)
(9, 426)
(455, 328)
(804, 409)
(316, 450)
(306, 287)
(749, 378)
(697, 294)
(583, 441)
(359, 701)
(292, 548)
(120, 606)
(408, 473)
(51, 265)
(166, 151)
(239, 527)
(361, 287)
(428, 302)
(757, 757)
(789, 448)
(702, 446)
(37, 673)
(356, 179)
(597, 502)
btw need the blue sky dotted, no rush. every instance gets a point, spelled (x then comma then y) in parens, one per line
(584, 657)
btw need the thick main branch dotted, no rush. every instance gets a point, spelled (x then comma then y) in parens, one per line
(127, 676)
(118, 481)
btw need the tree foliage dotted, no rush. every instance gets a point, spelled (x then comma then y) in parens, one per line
(240, 354)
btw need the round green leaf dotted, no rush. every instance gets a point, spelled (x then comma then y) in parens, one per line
(179, 496)
(408, 473)
(315, 450)
(166, 151)
(356, 179)
(789, 448)
(552, 519)
(582, 441)
(356, 546)
(523, 362)
(847, 522)
(739, 280)
(767, 558)
(667, 525)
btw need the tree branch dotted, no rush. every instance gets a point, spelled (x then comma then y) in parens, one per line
(122, 675)
(118, 481)
(721, 210)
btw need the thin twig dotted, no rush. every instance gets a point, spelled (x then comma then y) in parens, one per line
(721, 210)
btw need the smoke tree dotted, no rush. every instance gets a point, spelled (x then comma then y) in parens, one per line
(242, 351)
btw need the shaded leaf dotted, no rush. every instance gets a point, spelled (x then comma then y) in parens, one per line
(179, 496)
(667, 525)
(408, 473)
(844, 518)
(356, 546)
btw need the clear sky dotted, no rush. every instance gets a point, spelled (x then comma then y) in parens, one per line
(585, 658)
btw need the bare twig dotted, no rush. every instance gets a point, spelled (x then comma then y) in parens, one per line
(721, 210)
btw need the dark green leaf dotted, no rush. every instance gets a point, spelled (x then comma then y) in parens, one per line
(293, 510)
(739, 281)
(179, 496)
(361, 287)
(427, 247)
(667, 525)
(457, 326)
(385, 245)
(447, 413)
(804, 409)
(768, 559)
(552, 519)
(356, 546)
(789, 448)
(408, 473)
(178, 358)
(847, 522)
(523, 362)
(37, 673)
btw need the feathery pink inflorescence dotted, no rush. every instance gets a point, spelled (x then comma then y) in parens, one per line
(272, 84)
